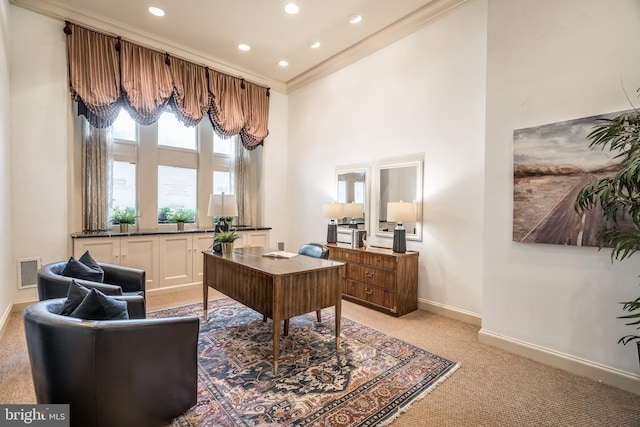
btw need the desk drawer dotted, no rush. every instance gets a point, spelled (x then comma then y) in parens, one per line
(372, 276)
(372, 294)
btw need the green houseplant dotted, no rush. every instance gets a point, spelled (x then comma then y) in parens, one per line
(619, 198)
(180, 216)
(124, 217)
(226, 239)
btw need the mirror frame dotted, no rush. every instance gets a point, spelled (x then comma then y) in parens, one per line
(417, 161)
(344, 234)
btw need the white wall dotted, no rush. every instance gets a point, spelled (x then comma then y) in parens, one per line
(551, 61)
(39, 105)
(422, 94)
(275, 174)
(6, 265)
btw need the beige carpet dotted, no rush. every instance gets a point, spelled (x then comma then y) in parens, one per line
(491, 388)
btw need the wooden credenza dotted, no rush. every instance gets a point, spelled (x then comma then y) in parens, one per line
(379, 278)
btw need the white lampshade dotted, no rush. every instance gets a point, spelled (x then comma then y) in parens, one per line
(353, 210)
(401, 211)
(222, 205)
(332, 210)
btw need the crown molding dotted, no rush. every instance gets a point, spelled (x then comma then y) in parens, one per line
(391, 33)
(369, 45)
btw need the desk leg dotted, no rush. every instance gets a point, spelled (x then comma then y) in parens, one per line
(276, 344)
(338, 317)
(205, 298)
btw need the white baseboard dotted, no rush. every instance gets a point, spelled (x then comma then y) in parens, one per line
(450, 312)
(613, 377)
(15, 306)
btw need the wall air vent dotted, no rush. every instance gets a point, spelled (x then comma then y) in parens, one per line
(27, 272)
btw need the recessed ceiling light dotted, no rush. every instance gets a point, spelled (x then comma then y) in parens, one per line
(156, 11)
(291, 8)
(315, 45)
(354, 19)
(283, 63)
(243, 47)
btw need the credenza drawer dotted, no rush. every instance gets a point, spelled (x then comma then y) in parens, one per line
(381, 261)
(373, 294)
(343, 255)
(371, 275)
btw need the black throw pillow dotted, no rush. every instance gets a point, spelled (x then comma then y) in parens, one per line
(75, 295)
(98, 306)
(78, 270)
(88, 260)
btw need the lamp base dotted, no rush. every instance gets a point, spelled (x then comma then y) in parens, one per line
(332, 233)
(399, 240)
(221, 225)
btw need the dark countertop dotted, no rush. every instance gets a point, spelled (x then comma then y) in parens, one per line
(134, 232)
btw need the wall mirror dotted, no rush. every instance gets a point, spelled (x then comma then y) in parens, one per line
(398, 180)
(353, 191)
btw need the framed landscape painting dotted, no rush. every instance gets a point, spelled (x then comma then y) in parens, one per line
(551, 164)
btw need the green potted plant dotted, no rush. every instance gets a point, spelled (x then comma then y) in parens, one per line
(226, 239)
(619, 197)
(180, 216)
(124, 217)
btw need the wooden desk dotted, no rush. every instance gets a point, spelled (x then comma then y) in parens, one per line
(275, 287)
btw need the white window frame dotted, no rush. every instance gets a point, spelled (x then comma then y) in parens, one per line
(148, 155)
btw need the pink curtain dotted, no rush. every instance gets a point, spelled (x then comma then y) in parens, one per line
(106, 73)
(94, 74)
(146, 82)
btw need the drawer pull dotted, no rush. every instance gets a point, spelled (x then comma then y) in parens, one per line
(368, 291)
(378, 261)
(369, 275)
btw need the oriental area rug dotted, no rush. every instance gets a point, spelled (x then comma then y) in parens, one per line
(368, 382)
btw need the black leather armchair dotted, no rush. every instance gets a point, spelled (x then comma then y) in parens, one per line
(137, 372)
(118, 280)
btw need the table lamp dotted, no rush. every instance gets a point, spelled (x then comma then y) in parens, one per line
(398, 212)
(353, 210)
(222, 205)
(332, 211)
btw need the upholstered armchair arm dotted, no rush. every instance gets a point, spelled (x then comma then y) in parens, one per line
(135, 306)
(129, 279)
(53, 285)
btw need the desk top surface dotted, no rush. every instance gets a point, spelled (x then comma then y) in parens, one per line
(253, 257)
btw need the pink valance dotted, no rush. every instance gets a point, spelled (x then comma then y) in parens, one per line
(107, 73)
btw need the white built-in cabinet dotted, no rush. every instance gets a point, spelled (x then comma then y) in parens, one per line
(169, 259)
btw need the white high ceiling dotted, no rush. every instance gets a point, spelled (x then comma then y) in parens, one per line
(208, 31)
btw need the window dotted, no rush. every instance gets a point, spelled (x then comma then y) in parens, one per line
(124, 185)
(163, 171)
(124, 128)
(223, 149)
(177, 193)
(172, 133)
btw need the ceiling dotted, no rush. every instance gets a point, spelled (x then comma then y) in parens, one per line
(209, 31)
